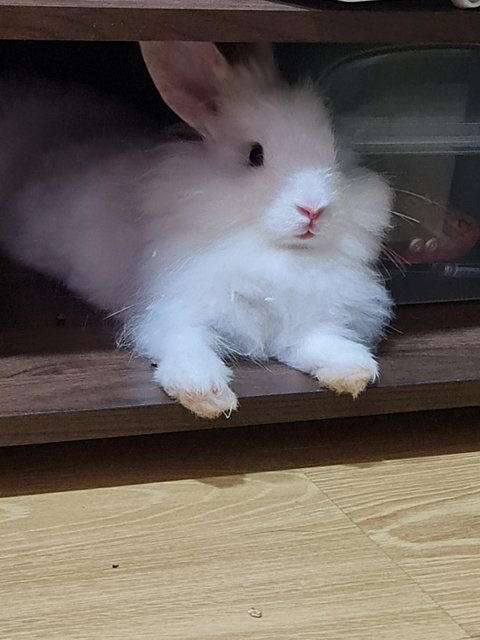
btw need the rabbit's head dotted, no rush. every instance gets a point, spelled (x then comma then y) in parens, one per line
(274, 142)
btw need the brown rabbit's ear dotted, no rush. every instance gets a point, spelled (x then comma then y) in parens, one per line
(189, 76)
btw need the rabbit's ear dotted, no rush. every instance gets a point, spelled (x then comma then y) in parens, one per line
(189, 76)
(262, 54)
(247, 53)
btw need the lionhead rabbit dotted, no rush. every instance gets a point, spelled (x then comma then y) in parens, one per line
(252, 238)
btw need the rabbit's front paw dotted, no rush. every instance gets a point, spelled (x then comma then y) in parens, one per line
(206, 404)
(350, 380)
(348, 375)
(199, 382)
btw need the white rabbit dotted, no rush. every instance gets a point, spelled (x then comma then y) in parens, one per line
(251, 240)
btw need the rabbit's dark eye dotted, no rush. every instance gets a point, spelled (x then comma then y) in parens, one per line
(255, 159)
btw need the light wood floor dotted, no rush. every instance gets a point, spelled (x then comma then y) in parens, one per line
(364, 529)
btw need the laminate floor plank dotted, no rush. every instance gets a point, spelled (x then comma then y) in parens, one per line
(425, 514)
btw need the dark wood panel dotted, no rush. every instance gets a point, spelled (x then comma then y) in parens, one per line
(276, 408)
(235, 20)
(208, 454)
(66, 381)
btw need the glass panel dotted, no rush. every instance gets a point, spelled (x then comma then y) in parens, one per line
(414, 115)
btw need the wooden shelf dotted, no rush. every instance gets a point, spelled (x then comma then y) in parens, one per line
(68, 382)
(239, 20)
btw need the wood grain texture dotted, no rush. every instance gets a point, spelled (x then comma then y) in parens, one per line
(193, 557)
(68, 382)
(230, 20)
(177, 536)
(425, 514)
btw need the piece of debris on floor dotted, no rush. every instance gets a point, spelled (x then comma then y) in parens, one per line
(255, 613)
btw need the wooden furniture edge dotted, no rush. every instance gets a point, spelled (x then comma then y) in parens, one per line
(87, 425)
(226, 21)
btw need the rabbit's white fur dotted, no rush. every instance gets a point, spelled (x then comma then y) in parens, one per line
(206, 256)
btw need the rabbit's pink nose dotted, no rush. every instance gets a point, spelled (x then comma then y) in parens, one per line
(311, 214)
